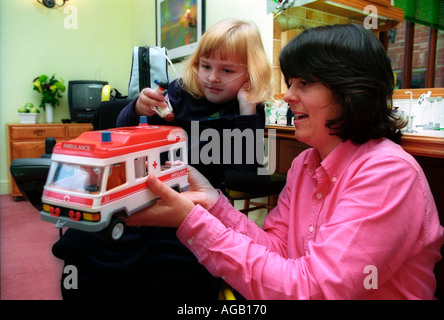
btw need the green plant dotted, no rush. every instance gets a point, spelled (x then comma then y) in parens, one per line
(50, 89)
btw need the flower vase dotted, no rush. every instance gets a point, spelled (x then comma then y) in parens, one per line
(49, 111)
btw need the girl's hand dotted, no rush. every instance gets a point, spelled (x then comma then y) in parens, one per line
(173, 207)
(245, 106)
(149, 98)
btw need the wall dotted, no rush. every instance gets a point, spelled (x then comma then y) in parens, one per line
(34, 41)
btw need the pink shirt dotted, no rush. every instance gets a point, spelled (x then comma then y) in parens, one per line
(361, 225)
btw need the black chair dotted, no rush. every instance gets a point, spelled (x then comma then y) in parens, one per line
(30, 174)
(106, 115)
(258, 187)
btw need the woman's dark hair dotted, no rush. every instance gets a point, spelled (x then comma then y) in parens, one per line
(351, 61)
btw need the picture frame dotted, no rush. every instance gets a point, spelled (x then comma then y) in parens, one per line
(179, 26)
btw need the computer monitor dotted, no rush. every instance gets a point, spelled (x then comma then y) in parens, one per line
(84, 97)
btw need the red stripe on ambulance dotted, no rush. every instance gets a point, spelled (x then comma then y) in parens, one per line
(68, 198)
(140, 187)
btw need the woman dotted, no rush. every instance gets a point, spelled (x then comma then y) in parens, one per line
(356, 219)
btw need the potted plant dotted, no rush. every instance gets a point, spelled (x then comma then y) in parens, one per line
(51, 89)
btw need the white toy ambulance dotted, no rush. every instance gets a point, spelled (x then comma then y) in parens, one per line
(102, 175)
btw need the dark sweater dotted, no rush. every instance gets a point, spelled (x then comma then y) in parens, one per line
(222, 117)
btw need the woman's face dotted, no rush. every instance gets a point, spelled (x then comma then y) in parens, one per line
(313, 105)
(220, 80)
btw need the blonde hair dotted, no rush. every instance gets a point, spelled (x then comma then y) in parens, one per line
(240, 42)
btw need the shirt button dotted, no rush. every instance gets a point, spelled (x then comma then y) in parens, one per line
(311, 229)
(334, 179)
(190, 242)
(319, 195)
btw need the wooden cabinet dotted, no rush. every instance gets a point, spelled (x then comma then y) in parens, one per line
(288, 147)
(28, 140)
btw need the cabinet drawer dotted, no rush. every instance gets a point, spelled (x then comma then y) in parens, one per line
(36, 132)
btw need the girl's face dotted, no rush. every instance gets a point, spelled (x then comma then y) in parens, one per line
(220, 80)
(313, 105)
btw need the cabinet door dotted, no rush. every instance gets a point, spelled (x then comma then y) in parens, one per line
(27, 149)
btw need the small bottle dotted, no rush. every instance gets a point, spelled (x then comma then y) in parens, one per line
(166, 113)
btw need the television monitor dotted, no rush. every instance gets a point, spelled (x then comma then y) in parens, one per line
(84, 97)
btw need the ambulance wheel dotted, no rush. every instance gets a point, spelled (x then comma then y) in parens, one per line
(114, 232)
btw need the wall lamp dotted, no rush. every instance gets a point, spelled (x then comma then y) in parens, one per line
(52, 3)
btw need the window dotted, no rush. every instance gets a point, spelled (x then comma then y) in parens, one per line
(141, 167)
(117, 176)
(177, 155)
(415, 47)
(80, 178)
(171, 158)
(439, 62)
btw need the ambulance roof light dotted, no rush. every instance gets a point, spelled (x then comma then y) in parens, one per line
(143, 120)
(106, 136)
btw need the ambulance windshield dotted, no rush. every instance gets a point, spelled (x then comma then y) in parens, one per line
(74, 177)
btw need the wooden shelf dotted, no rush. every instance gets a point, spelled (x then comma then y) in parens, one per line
(388, 16)
(423, 145)
(414, 144)
(400, 93)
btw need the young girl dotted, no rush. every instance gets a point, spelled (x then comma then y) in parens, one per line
(356, 220)
(223, 87)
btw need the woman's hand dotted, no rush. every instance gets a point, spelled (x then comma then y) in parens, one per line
(169, 211)
(149, 98)
(173, 207)
(245, 106)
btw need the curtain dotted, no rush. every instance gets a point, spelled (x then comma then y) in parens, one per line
(426, 12)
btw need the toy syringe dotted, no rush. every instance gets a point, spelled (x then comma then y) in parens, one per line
(166, 113)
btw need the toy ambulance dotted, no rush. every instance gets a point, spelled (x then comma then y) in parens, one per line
(101, 175)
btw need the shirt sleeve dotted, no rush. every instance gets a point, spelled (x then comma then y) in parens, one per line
(253, 261)
(127, 117)
(248, 266)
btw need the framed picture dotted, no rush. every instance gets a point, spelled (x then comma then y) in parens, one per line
(179, 26)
